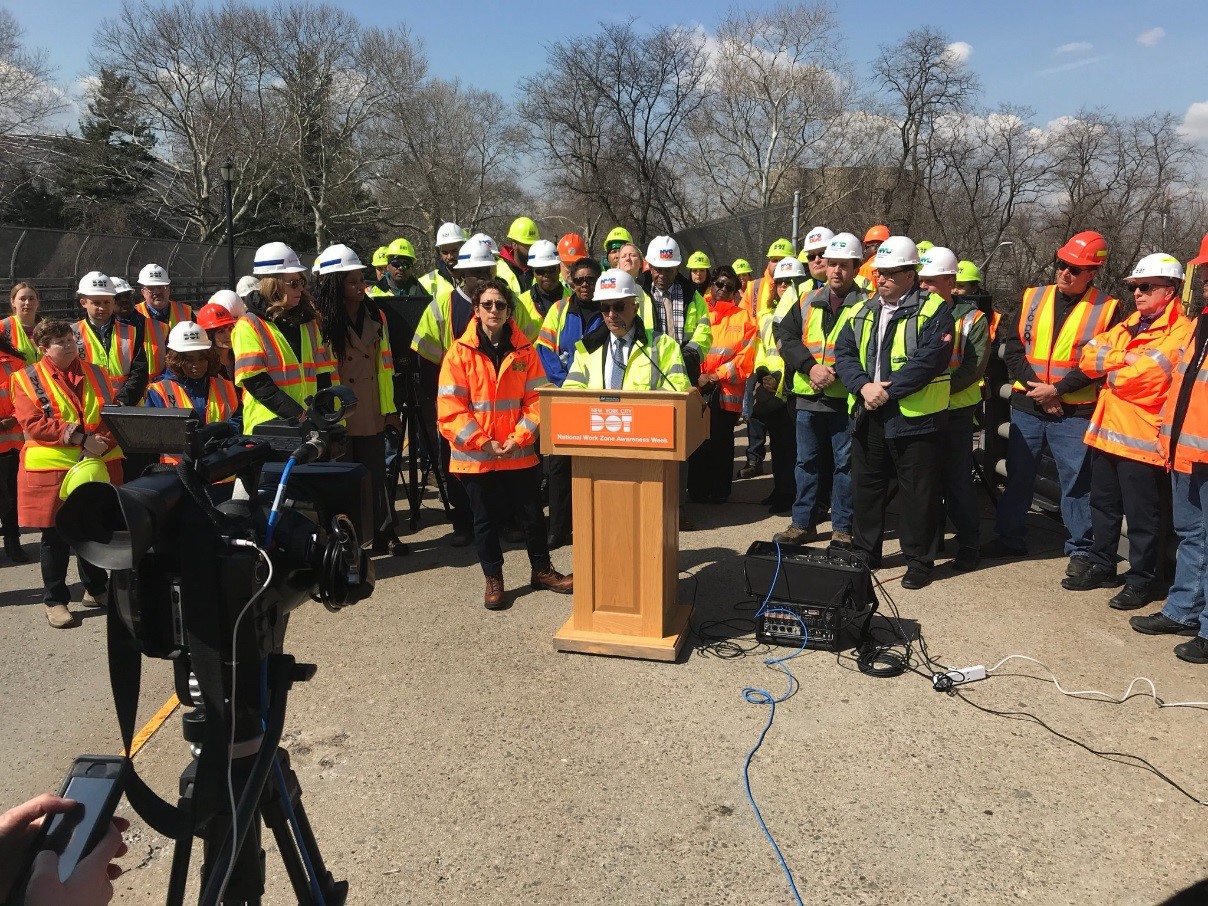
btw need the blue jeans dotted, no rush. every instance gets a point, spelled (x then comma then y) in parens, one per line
(814, 429)
(1185, 603)
(1064, 435)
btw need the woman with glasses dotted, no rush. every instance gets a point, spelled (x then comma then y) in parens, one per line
(722, 382)
(1128, 471)
(487, 408)
(280, 357)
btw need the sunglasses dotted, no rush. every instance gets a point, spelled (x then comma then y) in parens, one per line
(292, 284)
(584, 281)
(724, 286)
(617, 307)
(783, 281)
(813, 256)
(895, 271)
(546, 271)
(1149, 287)
(399, 261)
(1072, 268)
(493, 304)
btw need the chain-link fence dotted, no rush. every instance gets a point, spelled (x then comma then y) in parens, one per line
(741, 236)
(54, 260)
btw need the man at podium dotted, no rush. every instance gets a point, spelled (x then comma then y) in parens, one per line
(623, 353)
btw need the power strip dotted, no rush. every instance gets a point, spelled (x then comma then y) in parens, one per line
(942, 682)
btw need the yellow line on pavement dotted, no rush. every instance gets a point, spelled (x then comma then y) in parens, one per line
(148, 730)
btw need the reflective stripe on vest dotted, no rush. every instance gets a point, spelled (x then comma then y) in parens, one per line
(114, 362)
(19, 338)
(39, 457)
(259, 347)
(221, 399)
(1054, 358)
(929, 399)
(155, 333)
(821, 344)
(972, 394)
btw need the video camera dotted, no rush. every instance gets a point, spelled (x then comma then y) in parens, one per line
(207, 559)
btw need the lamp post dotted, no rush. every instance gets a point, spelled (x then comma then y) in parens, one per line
(228, 173)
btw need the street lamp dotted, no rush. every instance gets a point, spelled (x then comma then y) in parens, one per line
(228, 173)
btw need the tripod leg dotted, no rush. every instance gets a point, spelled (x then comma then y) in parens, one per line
(178, 878)
(414, 488)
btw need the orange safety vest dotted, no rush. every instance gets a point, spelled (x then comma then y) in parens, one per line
(115, 361)
(475, 404)
(995, 318)
(155, 335)
(867, 271)
(14, 437)
(221, 403)
(1127, 419)
(1054, 352)
(760, 292)
(37, 384)
(731, 354)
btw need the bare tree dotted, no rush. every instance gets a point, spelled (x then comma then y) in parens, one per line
(923, 79)
(28, 98)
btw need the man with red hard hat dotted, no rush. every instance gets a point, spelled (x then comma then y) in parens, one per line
(877, 233)
(1052, 399)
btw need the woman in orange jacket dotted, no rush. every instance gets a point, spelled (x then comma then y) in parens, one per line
(1137, 358)
(723, 380)
(486, 407)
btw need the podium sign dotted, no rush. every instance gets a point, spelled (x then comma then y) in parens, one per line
(626, 448)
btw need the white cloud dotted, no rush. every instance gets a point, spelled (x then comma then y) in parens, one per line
(1073, 47)
(1066, 67)
(1151, 36)
(959, 51)
(1195, 122)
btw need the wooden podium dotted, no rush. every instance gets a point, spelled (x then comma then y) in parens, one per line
(627, 447)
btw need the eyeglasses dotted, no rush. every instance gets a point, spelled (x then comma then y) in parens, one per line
(493, 304)
(617, 307)
(783, 281)
(546, 271)
(399, 261)
(724, 286)
(1149, 287)
(895, 271)
(1072, 268)
(583, 281)
(292, 284)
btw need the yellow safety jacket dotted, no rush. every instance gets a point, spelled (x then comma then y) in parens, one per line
(19, 338)
(821, 342)
(260, 348)
(665, 372)
(964, 320)
(115, 360)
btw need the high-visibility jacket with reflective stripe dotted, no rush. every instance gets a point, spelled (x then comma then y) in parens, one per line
(665, 372)
(1127, 420)
(260, 348)
(155, 333)
(821, 342)
(504, 272)
(40, 457)
(476, 404)
(867, 271)
(934, 396)
(221, 402)
(696, 317)
(965, 316)
(761, 294)
(435, 283)
(767, 350)
(1192, 444)
(1054, 357)
(20, 340)
(434, 333)
(732, 355)
(115, 360)
(528, 317)
(560, 331)
(10, 438)
(384, 369)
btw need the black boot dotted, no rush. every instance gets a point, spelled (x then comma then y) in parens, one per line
(14, 550)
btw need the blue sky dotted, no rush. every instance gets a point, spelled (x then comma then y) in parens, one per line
(1055, 57)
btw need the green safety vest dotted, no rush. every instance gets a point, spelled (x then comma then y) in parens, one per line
(820, 342)
(928, 400)
(588, 367)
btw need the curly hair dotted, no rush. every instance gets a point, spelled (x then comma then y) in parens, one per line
(176, 360)
(49, 330)
(272, 290)
(332, 312)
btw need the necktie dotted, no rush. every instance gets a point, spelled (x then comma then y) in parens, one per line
(618, 364)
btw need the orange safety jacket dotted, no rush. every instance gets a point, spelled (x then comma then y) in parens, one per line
(868, 271)
(155, 334)
(731, 354)
(1053, 352)
(114, 361)
(1128, 414)
(475, 404)
(13, 437)
(1192, 445)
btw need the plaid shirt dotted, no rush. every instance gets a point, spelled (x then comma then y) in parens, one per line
(676, 295)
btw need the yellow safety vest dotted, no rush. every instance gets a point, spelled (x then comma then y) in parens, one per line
(260, 348)
(37, 384)
(929, 399)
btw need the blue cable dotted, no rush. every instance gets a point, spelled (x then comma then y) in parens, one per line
(757, 696)
(274, 515)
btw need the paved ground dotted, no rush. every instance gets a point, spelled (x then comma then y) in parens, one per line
(448, 755)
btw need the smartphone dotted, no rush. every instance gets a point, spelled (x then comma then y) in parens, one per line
(95, 784)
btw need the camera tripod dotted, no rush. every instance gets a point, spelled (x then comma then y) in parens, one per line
(415, 418)
(270, 793)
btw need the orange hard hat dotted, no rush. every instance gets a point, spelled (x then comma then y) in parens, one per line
(1202, 257)
(214, 316)
(878, 232)
(1085, 249)
(571, 248)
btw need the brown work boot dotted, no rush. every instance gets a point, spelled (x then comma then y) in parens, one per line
(552, 580)
(58, 616)
(492, 597)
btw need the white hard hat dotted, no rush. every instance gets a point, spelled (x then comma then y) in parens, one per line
(230, 301)
(94, 283)
(450, 234)
(543, 253)
(314, 266)
(845, 245)
(276, 258)
(154, 275)
(614, 283)
(938, 261)
(788, 267)
(186, 336)
(336, 259)
(483, 237)
(897, 251)
(475, 253)
(663, 251)
(1158, 264)
(121, 286)
(246, 284)
(817, 238)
